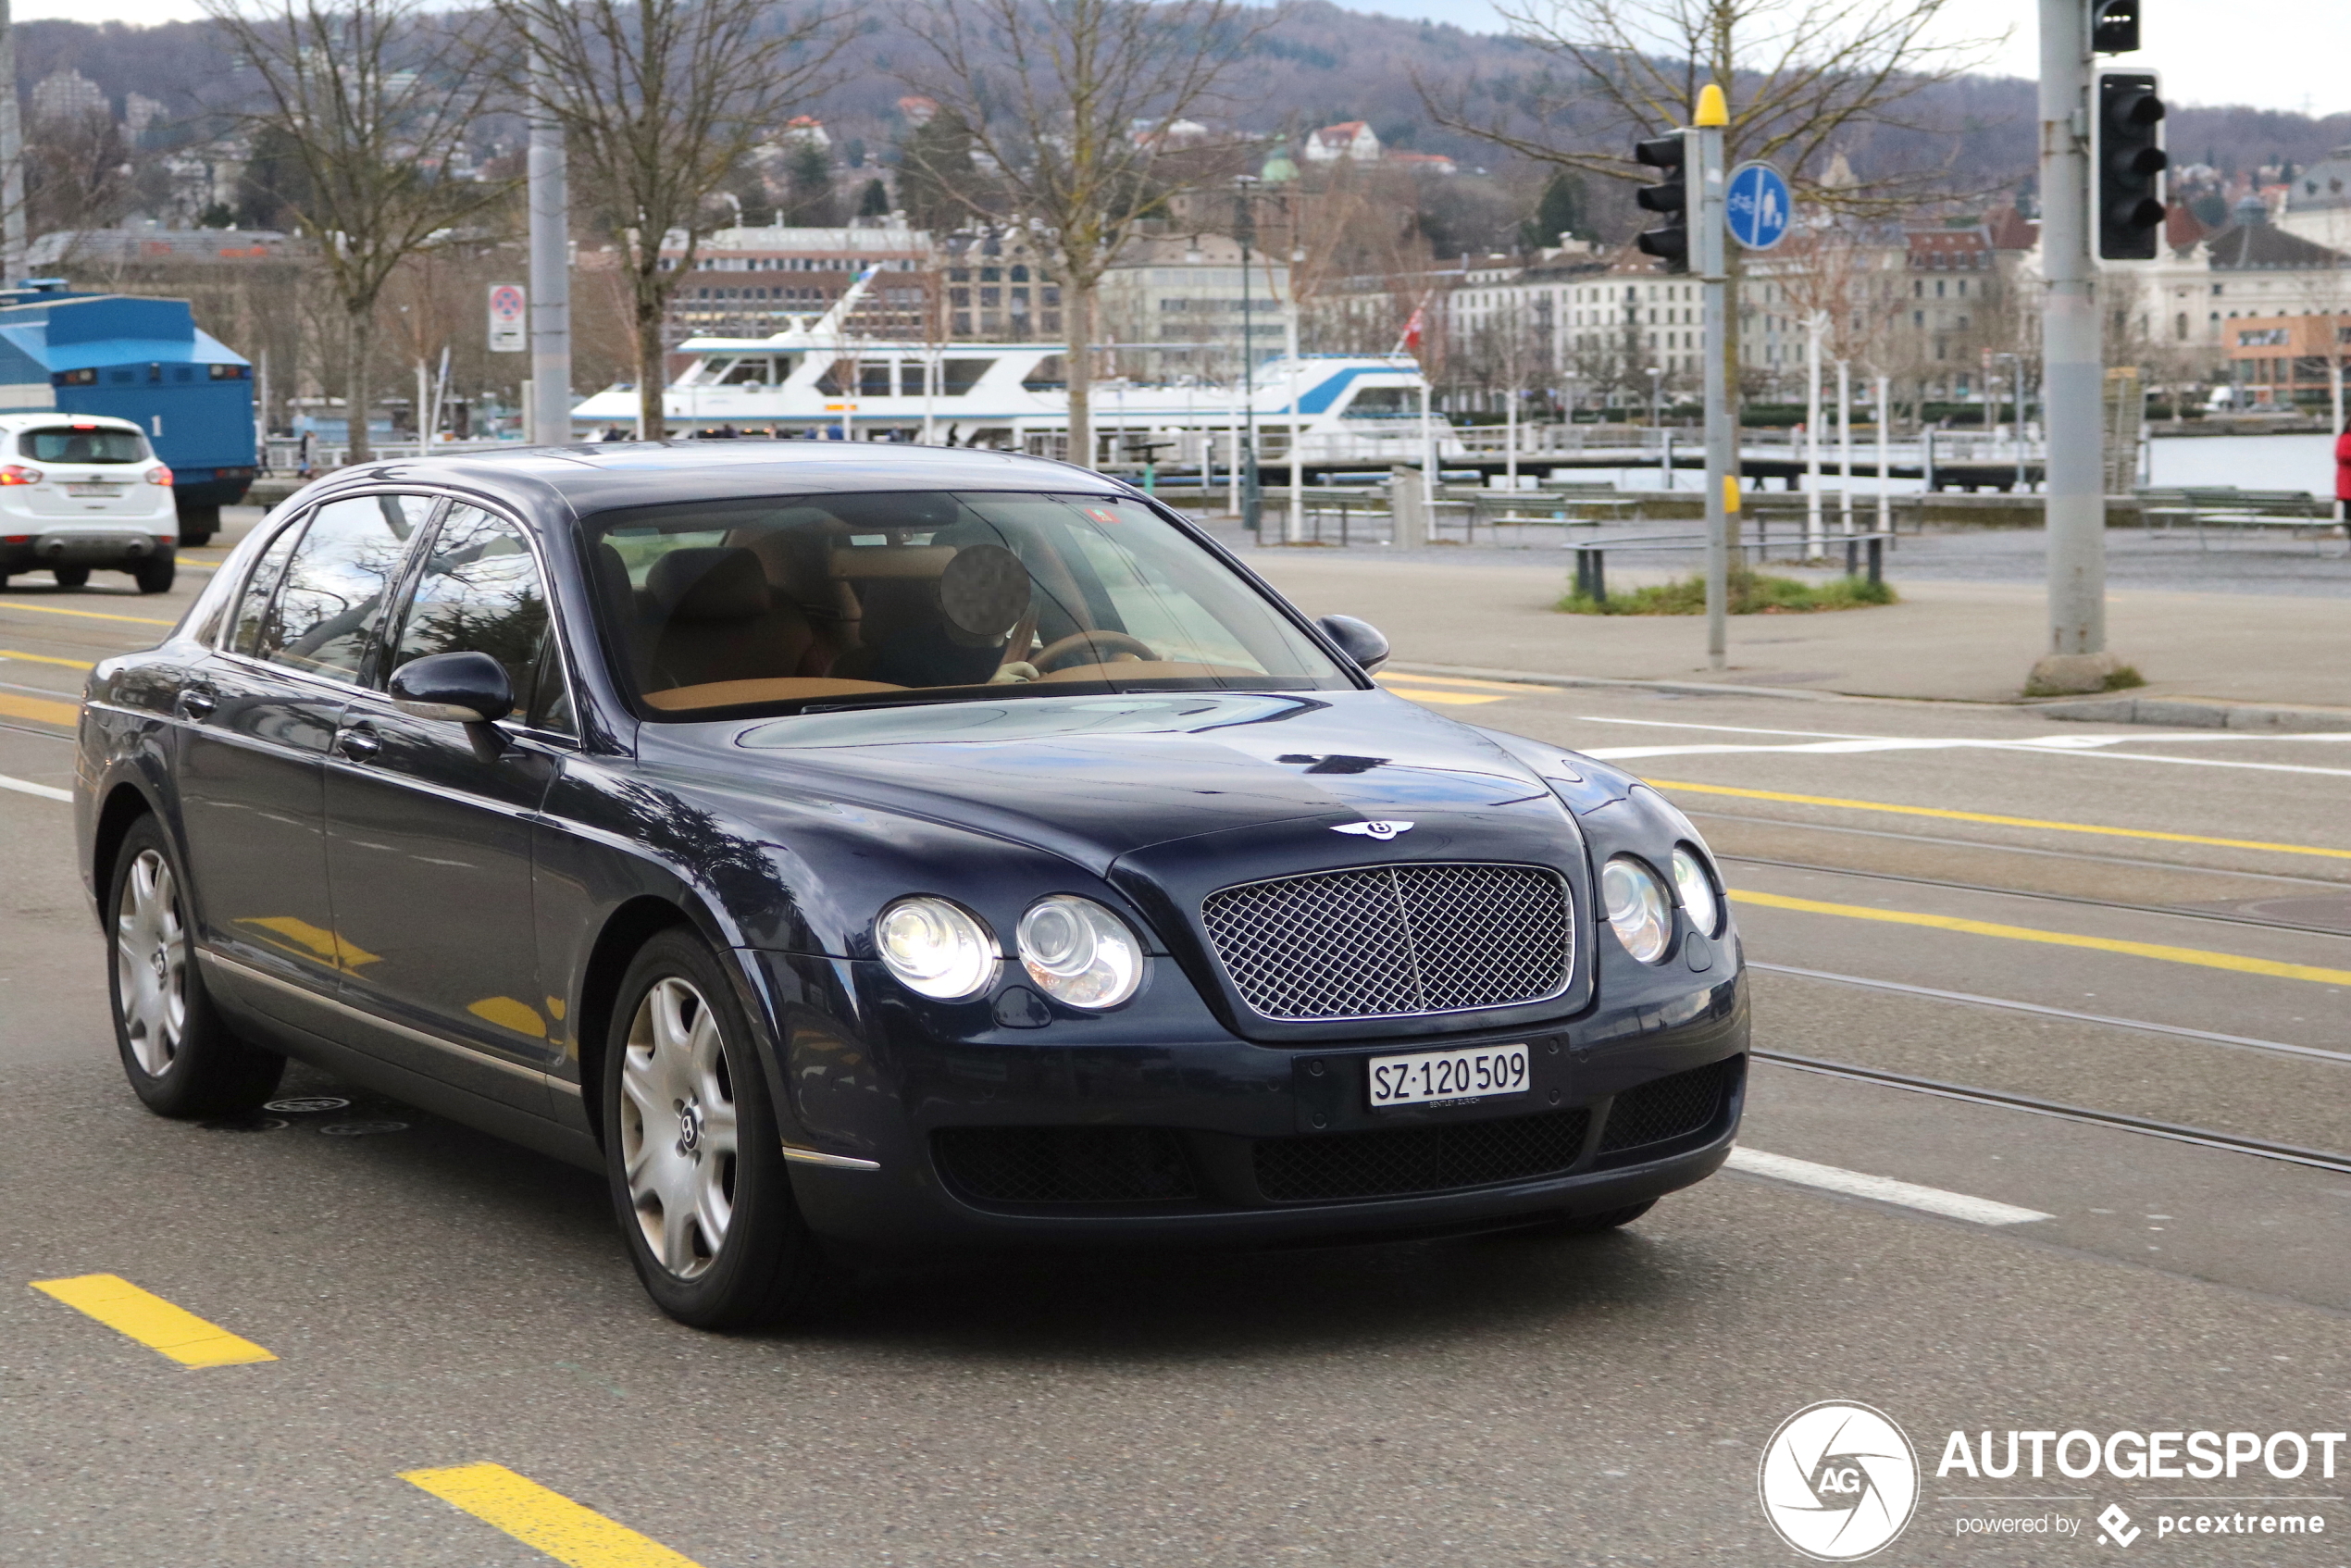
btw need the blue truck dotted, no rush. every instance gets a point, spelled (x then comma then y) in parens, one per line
(140, 360)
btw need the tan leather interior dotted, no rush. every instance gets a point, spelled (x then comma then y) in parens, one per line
(1148, 669)
(872, 562)
(727, 693)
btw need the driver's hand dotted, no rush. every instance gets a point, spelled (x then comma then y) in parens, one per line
(1018, 672)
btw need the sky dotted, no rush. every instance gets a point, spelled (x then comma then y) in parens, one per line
(2255, 52)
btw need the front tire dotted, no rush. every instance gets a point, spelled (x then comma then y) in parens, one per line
(692, 1149)
(155, 573)
(179, 1056)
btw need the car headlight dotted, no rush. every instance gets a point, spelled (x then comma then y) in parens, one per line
(1699, 897)
(936, 948)
(1079, 952)
(1637, 908)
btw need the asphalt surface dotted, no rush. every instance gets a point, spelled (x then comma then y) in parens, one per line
(434, 1298)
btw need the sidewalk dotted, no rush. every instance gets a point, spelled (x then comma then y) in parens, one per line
(1966, 642)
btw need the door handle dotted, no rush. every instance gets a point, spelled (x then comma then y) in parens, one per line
(359, 745)
(197, 703)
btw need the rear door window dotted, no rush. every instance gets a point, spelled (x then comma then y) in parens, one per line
(333, 599)
(95, 443)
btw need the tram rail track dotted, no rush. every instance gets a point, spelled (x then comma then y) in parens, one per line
(2207, 1138)
(2173, 911)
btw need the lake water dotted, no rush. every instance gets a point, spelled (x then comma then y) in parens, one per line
(2302, 462)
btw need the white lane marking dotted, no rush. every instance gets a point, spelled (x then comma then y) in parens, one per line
(1884, 1190)
(1849, 748)
(2039, 742)
(25, 786)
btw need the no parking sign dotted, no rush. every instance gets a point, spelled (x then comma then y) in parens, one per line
(509, 325)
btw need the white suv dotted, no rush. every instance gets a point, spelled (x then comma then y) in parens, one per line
(83, 490)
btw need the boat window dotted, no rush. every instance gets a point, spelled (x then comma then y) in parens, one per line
(1049, 374)
(962, 375)
(1381, 403)
(873, 379)
(750, 372)
(781, 604)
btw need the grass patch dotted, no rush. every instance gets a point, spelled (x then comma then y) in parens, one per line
(1752, 593)
(2124, 679)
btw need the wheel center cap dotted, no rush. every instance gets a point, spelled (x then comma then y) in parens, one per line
(160, 964)
(690, 1127)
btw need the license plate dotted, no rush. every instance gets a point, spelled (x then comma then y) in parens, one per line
(1431, 1076)
(107, 489)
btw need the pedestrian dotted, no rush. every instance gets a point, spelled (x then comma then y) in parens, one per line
(2343, 479)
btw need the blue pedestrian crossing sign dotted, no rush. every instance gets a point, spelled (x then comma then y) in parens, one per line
(1758, 207)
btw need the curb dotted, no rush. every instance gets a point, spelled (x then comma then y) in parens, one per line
(2175, 713)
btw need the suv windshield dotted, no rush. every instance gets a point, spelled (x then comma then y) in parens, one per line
(95, 444)
(783, 602)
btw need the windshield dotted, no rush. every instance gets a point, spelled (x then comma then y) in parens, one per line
(101, 443)
(795, 602)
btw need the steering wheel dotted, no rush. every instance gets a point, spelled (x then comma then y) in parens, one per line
(1101, 645)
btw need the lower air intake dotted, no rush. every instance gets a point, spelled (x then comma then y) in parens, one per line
(1065, 1164)
(1671, 1107)
(1395, 1161)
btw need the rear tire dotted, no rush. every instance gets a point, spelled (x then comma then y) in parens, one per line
(692, 1152)
(155, 573)
(198, 524)
(70, 577)
(179, 1055)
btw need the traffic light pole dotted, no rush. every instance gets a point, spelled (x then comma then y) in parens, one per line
(1709, 244)
(2076, 659)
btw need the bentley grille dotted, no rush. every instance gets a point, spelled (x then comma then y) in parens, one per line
(1385, 941)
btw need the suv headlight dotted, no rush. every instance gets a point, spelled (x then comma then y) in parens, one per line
(1699, 897)
(936, 948)
(1079, 952)
(1638, 910)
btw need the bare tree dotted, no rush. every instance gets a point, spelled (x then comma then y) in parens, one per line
(1074, 111)
(1806, 80)
(371, 98)
(660, 102)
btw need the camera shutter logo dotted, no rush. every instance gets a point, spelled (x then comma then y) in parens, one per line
(1838, 1481)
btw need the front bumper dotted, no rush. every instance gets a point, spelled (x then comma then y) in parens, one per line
(1221, 1141)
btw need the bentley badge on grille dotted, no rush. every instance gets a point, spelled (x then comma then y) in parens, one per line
(1383, 831)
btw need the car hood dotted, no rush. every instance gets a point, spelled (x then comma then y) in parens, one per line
(1095, 778)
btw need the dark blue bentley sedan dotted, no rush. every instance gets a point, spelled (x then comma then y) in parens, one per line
(850, 848)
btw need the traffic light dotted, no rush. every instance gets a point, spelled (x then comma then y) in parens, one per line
(1671, 244)
(2114, 26)
(2129, 178)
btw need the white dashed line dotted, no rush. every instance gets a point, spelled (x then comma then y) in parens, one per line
(1884, 1190)
(25, 786)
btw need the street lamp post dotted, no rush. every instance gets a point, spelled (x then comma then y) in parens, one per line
(1244, 230)
(1657, 426)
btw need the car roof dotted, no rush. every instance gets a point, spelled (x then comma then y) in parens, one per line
(601, 476)
(66, 417)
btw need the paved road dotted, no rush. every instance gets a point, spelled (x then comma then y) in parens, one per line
(2112, 900)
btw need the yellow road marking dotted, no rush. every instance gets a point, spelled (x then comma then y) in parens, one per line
(85, 615)
(2196, 955)
(2002, 821)
(154, 1322)
(45, 659)
(1442, 699)
(1464, 681)
(66, 714)
(546, 1520)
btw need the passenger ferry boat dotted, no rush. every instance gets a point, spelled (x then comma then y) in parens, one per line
(817, 381)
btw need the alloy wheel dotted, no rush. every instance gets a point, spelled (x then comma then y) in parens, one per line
(151, 963)
(678, 1126)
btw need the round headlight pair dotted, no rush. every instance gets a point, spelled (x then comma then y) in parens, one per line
(1076, 950)
(1641, 913)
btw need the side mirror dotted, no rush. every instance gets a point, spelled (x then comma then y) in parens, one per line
(1360, 641)
(457, 688)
